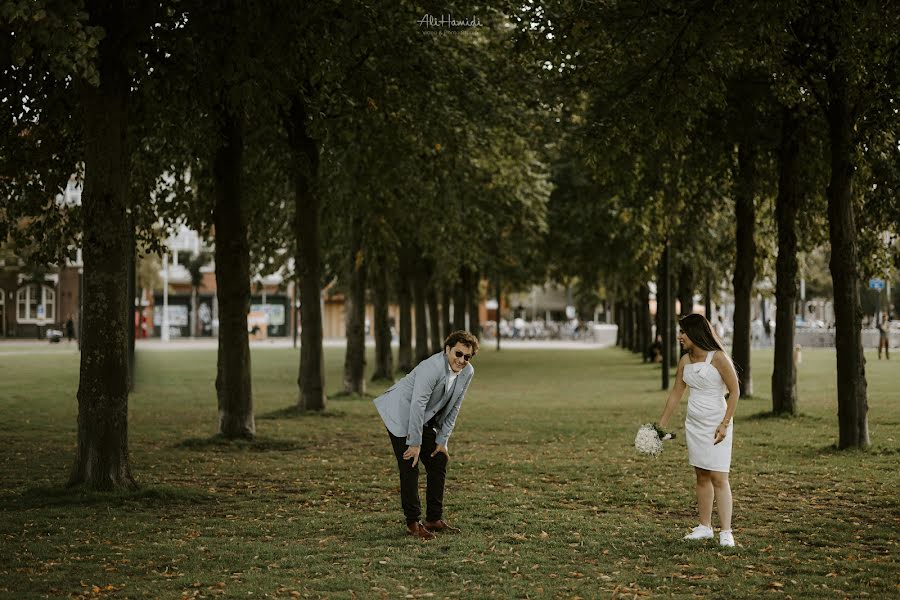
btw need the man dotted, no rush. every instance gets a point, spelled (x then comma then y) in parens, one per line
(420, 412)
(883, 340)
(70, 328)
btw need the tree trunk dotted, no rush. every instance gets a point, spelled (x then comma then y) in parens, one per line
(381, 326)
(233, 386)
(620, 328)
(474, 296)
(355, 355)
(499, 287)
(675, 350)
(628, 338)
(636, 323)
(784, 375)
(404, 299)
(707, 300)
(101, 457)
(663, 314)
(132, 293)
(851, 363)
(195, 321)
(686, 290)
(459, 301)
(434, 319)
(667, 321)
(643, 308)
(307, 209)
(641, 319)
(744, 268)
(447, 322)
(419, 285)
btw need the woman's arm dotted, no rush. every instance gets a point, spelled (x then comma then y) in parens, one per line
(675, 395)
(729, 376)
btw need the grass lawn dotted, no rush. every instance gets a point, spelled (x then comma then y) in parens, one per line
(544, 481)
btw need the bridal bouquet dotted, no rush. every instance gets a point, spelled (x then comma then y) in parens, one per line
(649, 439)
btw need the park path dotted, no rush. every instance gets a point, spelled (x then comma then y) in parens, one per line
(20, 347)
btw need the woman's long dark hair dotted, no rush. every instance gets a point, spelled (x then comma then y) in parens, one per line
(701, 332)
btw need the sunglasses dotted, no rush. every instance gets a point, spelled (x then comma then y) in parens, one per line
(465, 357)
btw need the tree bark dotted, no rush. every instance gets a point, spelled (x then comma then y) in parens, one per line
(474, 296)
(628, 338)
(459, 301)
(132, 294)
(233, 386)
(447, 322)
(745, 258)
(434, 319)
(686, 290)
(381, 326)
(707, 299)
(636, 320)
(101, 456)
(620, 330)
(307, 209)
(663, 313)
(355, 355)
(499, 287)
(675, 350)
(851, 363)
(404, 300)
(784, 374)
(643, 308)
(420, 282)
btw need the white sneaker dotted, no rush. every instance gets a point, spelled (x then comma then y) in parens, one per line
(726, 539)
(700, 532)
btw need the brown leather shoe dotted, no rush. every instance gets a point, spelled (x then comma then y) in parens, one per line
(416, 529)
(440, 526)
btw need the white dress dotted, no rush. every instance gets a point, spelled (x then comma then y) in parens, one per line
(706, 409)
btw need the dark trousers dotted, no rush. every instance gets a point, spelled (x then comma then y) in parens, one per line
(436, 469)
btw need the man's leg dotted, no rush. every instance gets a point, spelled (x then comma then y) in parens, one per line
(436, 468)
(409, 481)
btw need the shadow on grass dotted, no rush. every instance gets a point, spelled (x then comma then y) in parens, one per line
(351, 396)
(295, 412)
(767, 415)
(833, 450)
(257, 444)
(149, 497)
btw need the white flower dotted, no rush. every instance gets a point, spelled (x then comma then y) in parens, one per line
(647, 441)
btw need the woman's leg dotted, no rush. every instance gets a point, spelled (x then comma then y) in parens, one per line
(704, 496)
(723, 498)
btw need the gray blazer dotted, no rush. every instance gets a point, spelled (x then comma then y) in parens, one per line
(421, 395)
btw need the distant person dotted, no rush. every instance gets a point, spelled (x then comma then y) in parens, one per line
(420, 413)
(70, 329)
(518, 327)
(708, 371)
(883, 341)
(720, 328)
(654, 351)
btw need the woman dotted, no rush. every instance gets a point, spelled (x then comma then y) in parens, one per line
(708, 427)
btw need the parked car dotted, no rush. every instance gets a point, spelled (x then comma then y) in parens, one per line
(54, 336)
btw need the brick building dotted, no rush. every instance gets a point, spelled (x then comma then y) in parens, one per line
(30, 303)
